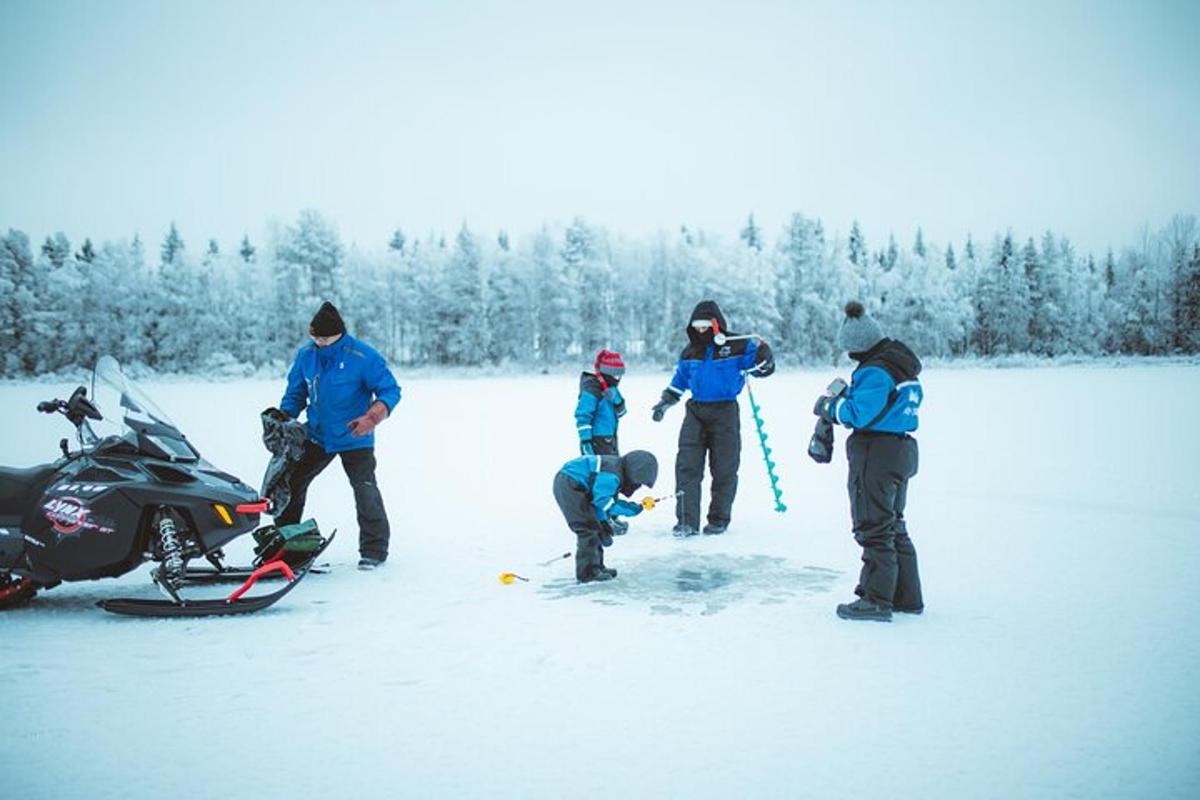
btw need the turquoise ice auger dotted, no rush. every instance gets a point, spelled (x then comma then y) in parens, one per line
(762, 440)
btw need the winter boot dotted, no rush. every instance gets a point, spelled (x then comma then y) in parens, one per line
(909, 609)
(682, 530)
(863, 608)
(366, 563)
(713, 529)
(597, 573)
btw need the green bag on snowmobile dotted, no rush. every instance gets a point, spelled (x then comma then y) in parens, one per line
(294, 544)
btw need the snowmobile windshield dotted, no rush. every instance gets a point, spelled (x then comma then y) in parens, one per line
(131, 417)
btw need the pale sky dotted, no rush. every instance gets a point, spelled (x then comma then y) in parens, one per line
(121, 116)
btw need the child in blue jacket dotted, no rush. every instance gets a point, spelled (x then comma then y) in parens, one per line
(600, 405)
(586, 490)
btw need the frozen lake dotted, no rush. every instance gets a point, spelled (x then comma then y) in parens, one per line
(1056, 514)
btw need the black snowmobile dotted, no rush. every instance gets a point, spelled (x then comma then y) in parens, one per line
(135, 491)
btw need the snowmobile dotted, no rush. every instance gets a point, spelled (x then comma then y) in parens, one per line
(132, 492)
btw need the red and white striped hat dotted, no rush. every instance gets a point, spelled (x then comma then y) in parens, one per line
(609, 362)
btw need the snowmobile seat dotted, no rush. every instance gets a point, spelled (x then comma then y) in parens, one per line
(17, 485)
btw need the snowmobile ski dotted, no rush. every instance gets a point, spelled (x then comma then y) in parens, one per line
(231, 605)
(205, 576)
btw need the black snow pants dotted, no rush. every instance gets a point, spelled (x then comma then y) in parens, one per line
(359, 465)
(713, 429)
(605, 446)
(880, 467)
(576, 504)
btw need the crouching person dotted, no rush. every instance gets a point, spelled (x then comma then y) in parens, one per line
(881, 407)
(586, 490)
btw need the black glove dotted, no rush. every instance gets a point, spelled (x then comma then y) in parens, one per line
(820, 446)
(669, 399)
(824, 407)
(606, 533)
(763, 368)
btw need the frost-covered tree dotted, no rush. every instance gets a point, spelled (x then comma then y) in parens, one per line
(18, 285)
(1187, 306)
(557, 300)
(397, 241)
(586, 260)
(87, 252)
(57, 249)
(247, 251)
(857, 247)
(751, 235)
(172, 245)
(511, 321)
(460, 332)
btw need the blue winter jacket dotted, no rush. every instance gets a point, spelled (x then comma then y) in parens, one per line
(601, 476)
(597, 411)
(714, 373)
(884, 392)
(336, 384)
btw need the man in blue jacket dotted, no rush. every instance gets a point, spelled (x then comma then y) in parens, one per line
(880, 405)
(348, 390)
(713, 367)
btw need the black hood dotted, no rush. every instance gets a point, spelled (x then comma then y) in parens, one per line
(894, 356)
(705, 309)
(590, 383)
(638, 468)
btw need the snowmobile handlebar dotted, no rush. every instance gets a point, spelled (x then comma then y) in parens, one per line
(76, 409)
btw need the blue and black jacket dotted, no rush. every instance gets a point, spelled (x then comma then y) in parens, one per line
(337, 384)
(598, 410)
(884, 392)
(716, 373)
(603, 477)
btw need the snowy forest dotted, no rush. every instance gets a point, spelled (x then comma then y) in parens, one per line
(561, 292)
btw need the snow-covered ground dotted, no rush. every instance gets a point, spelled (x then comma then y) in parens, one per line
(1057, 517)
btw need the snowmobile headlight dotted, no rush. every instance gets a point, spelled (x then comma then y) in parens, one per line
(223, 513)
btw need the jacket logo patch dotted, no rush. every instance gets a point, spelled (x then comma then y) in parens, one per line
(725, 351)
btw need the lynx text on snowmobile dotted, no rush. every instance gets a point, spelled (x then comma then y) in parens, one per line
(134, 491)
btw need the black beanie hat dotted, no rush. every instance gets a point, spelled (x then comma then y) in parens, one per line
(327, 321)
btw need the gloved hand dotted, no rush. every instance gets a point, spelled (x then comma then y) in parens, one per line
(763, 368)
(586, 449)
(823, 408)
(667, 399)
(606, 533)
(277, 414)
(361, 426)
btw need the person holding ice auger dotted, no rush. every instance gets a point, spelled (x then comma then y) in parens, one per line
(880, 405)
(713, 367)
(586, 490)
